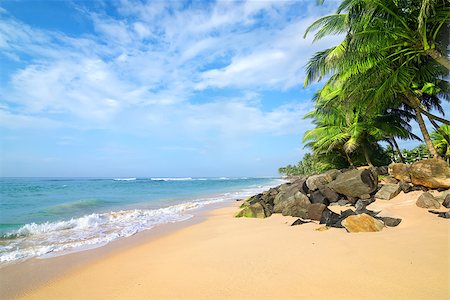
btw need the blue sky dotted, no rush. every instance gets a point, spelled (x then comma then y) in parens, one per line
(160, 88)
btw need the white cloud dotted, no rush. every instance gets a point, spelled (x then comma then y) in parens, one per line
(150, 61)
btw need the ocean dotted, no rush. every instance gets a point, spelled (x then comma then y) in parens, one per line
(42, 217)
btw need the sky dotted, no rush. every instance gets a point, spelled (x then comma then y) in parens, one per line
(160, 88)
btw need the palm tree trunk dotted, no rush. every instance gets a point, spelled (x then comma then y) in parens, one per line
(366, 155)
(431, 116)
(426, 136)
(398, 150)
(437, 56)
(414, 102)
(349, 160)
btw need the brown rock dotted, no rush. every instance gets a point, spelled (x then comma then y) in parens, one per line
(388, 191)
(426, 200)
(315, 211)
(362, 223)
(432, 173)
(400, 171)
(446, 202)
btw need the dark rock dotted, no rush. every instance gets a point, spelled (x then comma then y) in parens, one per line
(389, 221)
(388, 191)
(315, 211)
(330, 218)
(361, 204)
(299, 222)
(418, 188)
(268, 208)
(405, 187)
(347, 213)
(426, 200)
(328, 193)
(431, 173)
(317, 197)
(446, 202)
(343, 202)
(445, 215)
(362, 223)
(354, 183)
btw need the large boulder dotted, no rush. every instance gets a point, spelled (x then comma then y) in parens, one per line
(388, 191)
(317, 197)
(252, 211)
(426, 200)
(313, 182)
(400, 171)
(431, 173)
(354, 183)
(296, 206)
(329, 194)
(362, 223)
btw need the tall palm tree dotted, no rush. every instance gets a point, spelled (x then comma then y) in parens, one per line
(370, 66)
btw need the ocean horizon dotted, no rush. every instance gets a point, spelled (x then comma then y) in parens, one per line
(47, 216)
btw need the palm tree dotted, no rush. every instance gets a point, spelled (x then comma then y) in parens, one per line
(370, 66)
(441, 143)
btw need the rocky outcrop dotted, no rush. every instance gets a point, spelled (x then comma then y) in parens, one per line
(388, 191)
(426, 200)
(362, 223)
(288, 204)
(354, 183)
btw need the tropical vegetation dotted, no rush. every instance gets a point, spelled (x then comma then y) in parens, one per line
(391, 68)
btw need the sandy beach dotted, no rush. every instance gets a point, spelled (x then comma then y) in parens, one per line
(224, 257)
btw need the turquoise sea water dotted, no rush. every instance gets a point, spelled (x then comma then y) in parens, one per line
(47, 216)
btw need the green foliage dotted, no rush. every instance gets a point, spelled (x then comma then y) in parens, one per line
(418, 153)
(440, 141)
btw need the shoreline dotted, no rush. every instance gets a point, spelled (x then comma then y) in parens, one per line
(223, 257)
(17, 278)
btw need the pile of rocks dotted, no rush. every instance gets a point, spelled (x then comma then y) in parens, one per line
(309, 198)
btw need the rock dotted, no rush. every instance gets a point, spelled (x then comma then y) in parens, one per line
(252, 211)
(343, 202)
(354, 183)
(329, 194)
(361, 204)
(294, 202)
(315, 211)
(364, 196)
(383, 170)
(317, 197)
(445, 215)
(322, 228)
(431, 173)
(388, 191)
(400, 171)
(405, 187)
(313, 182)
(446, 202)
(388, 180)
(330, 218)
(299, 222)
(389, 221)
(426, 200)
(347, 213)
(362, 223)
